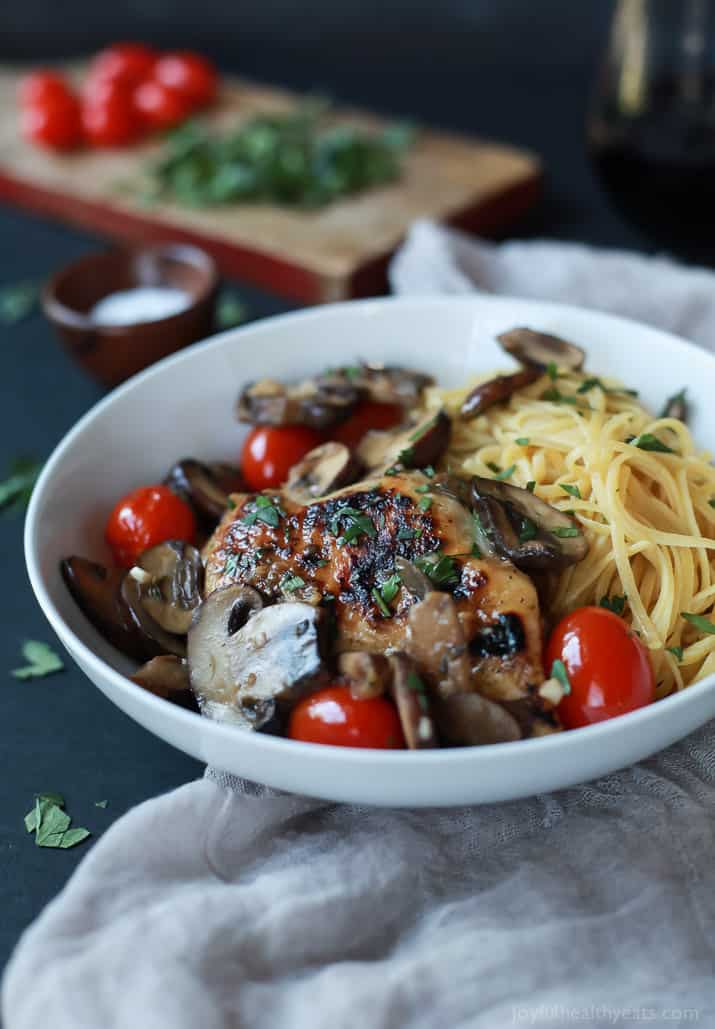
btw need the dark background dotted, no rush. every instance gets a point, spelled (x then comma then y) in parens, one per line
(512, 69)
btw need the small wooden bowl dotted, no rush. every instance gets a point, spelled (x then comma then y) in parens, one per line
(111, 353)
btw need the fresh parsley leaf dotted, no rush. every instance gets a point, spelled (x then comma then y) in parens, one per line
(522, 441)
(390, 588)
(42, 802)
(700, 622)
(593, 382)
(424, 503)
(392, 470)
(408, 534)
(566, 532)
(615, 603)
(355, 524)
(441, 569)
(101, 803)
(528, 530)
(493, 467)
(428, 471)
(531, 486)
(17, 301)
(73, 836)
(231, 504)
(406, 457)
(552, 371)
(230, 310)
(265, 509)
(677, 653)
(507, 473)
(558, 672)
(382, 606)
(421, 430)
(573, 491)
(41, 660)
(423, 489)
(51, 824)
(289, 583)
(414, 682)
(647, 441)
(16, 490)
(711, 502)
(557, 397)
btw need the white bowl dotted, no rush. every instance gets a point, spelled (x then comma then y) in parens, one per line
(184, 406)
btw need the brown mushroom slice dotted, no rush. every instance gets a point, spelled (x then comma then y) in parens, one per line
(97, 591)
(469, 719)
(435, 640)
(316, 403)
(525, 529)
(158, 640)
(419, 445)
(323, 469)
(540, 349)
(387, 384)
(368, 674)
(412, 701)
(496, 391)
(413, 578)
(205, 487)
(171, 584)
(167, 677)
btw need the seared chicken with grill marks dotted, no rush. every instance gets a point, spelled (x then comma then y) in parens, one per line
(341, 550)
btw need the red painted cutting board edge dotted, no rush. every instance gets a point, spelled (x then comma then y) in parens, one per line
(278, 276)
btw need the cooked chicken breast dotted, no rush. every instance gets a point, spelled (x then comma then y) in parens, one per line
(342, 549)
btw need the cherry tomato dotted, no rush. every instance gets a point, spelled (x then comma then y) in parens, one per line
(159, 107)
(367, 415)
(126, 62)
(607, 665)
(109, 117)
(270, 452)
(333, 715)
(41, 86)
(189, 74)
(55, 122)
(145, 517)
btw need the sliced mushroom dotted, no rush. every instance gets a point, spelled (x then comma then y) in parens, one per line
(496, 391)
(158, 640)
(171, 587)
(436, 641)
(97, 591)
(368, 674)
(412, 700)
(539, 349)
(241, 669)
(205, 487)
(167, 677)
(419, 445)
(469, 719)
(413, 579)
(323, 469)
(524, 529)
(387, 384)
(316, 402)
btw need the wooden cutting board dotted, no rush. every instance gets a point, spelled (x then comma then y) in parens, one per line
(337, 252)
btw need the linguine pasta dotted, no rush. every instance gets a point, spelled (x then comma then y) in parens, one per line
(646, 513)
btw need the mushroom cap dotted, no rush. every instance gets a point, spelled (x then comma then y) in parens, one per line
(539, 349)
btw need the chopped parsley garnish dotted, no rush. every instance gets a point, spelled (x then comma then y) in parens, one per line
(527, 530)
(41, 661)
(17, 301)
(392, 470)
(557, 397)
(428, 471)
(589, 384)
(424, 503)
(558, 672)
(677, 653)
(493, 467)
(573, 491)
(441, 569)
(615, 603)
(678, 402)
(506, 474)
(647, 441)
(231, 504)
(552, 371)
(522, 441)
(266, 510)
(700, 622)
(101, 803)
(390, 588)
(415, 683)
(531, 485)
(16, 490)
(711, 501)
(422, 429)
(321, 563)
(382, 606)
(289, 583)
(406, 457)
(230, 310)
(566, 532)
(51, 824)
(423, 489)
(354, 524)
(409, 534)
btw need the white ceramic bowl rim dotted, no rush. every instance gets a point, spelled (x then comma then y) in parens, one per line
(277, 745)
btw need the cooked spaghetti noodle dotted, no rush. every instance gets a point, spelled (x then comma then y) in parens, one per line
(648, 514)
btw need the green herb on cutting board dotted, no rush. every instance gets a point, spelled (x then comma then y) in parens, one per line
(16, 489)
(51, 823)
(18, 300)
(41, 661)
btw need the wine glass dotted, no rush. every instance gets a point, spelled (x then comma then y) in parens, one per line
(651, 127)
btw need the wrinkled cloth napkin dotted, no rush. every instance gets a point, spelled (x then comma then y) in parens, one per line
(222, 905)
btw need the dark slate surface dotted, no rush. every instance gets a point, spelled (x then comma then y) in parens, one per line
(514, 70)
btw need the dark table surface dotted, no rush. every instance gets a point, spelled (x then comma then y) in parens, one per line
(508, 75)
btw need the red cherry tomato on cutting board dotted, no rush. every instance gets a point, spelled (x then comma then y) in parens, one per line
(366, 416)
(53, 122)
(109, 117)
(189, 74)
(40, 86)
(145, 517)
(270, 451)
(158, 106)
(607, 665)
(129, 63)
(334, 716)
